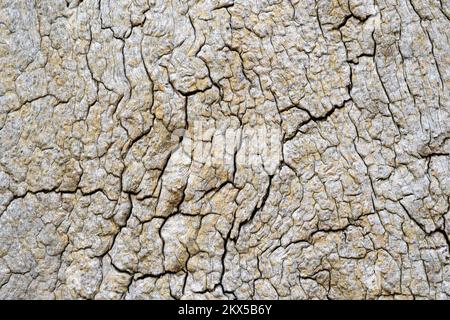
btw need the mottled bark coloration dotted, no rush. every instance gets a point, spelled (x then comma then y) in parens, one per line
(256, 149)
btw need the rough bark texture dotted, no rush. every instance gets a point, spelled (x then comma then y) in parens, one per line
(224, 149)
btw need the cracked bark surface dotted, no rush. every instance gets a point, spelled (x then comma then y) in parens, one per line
(213, 149)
